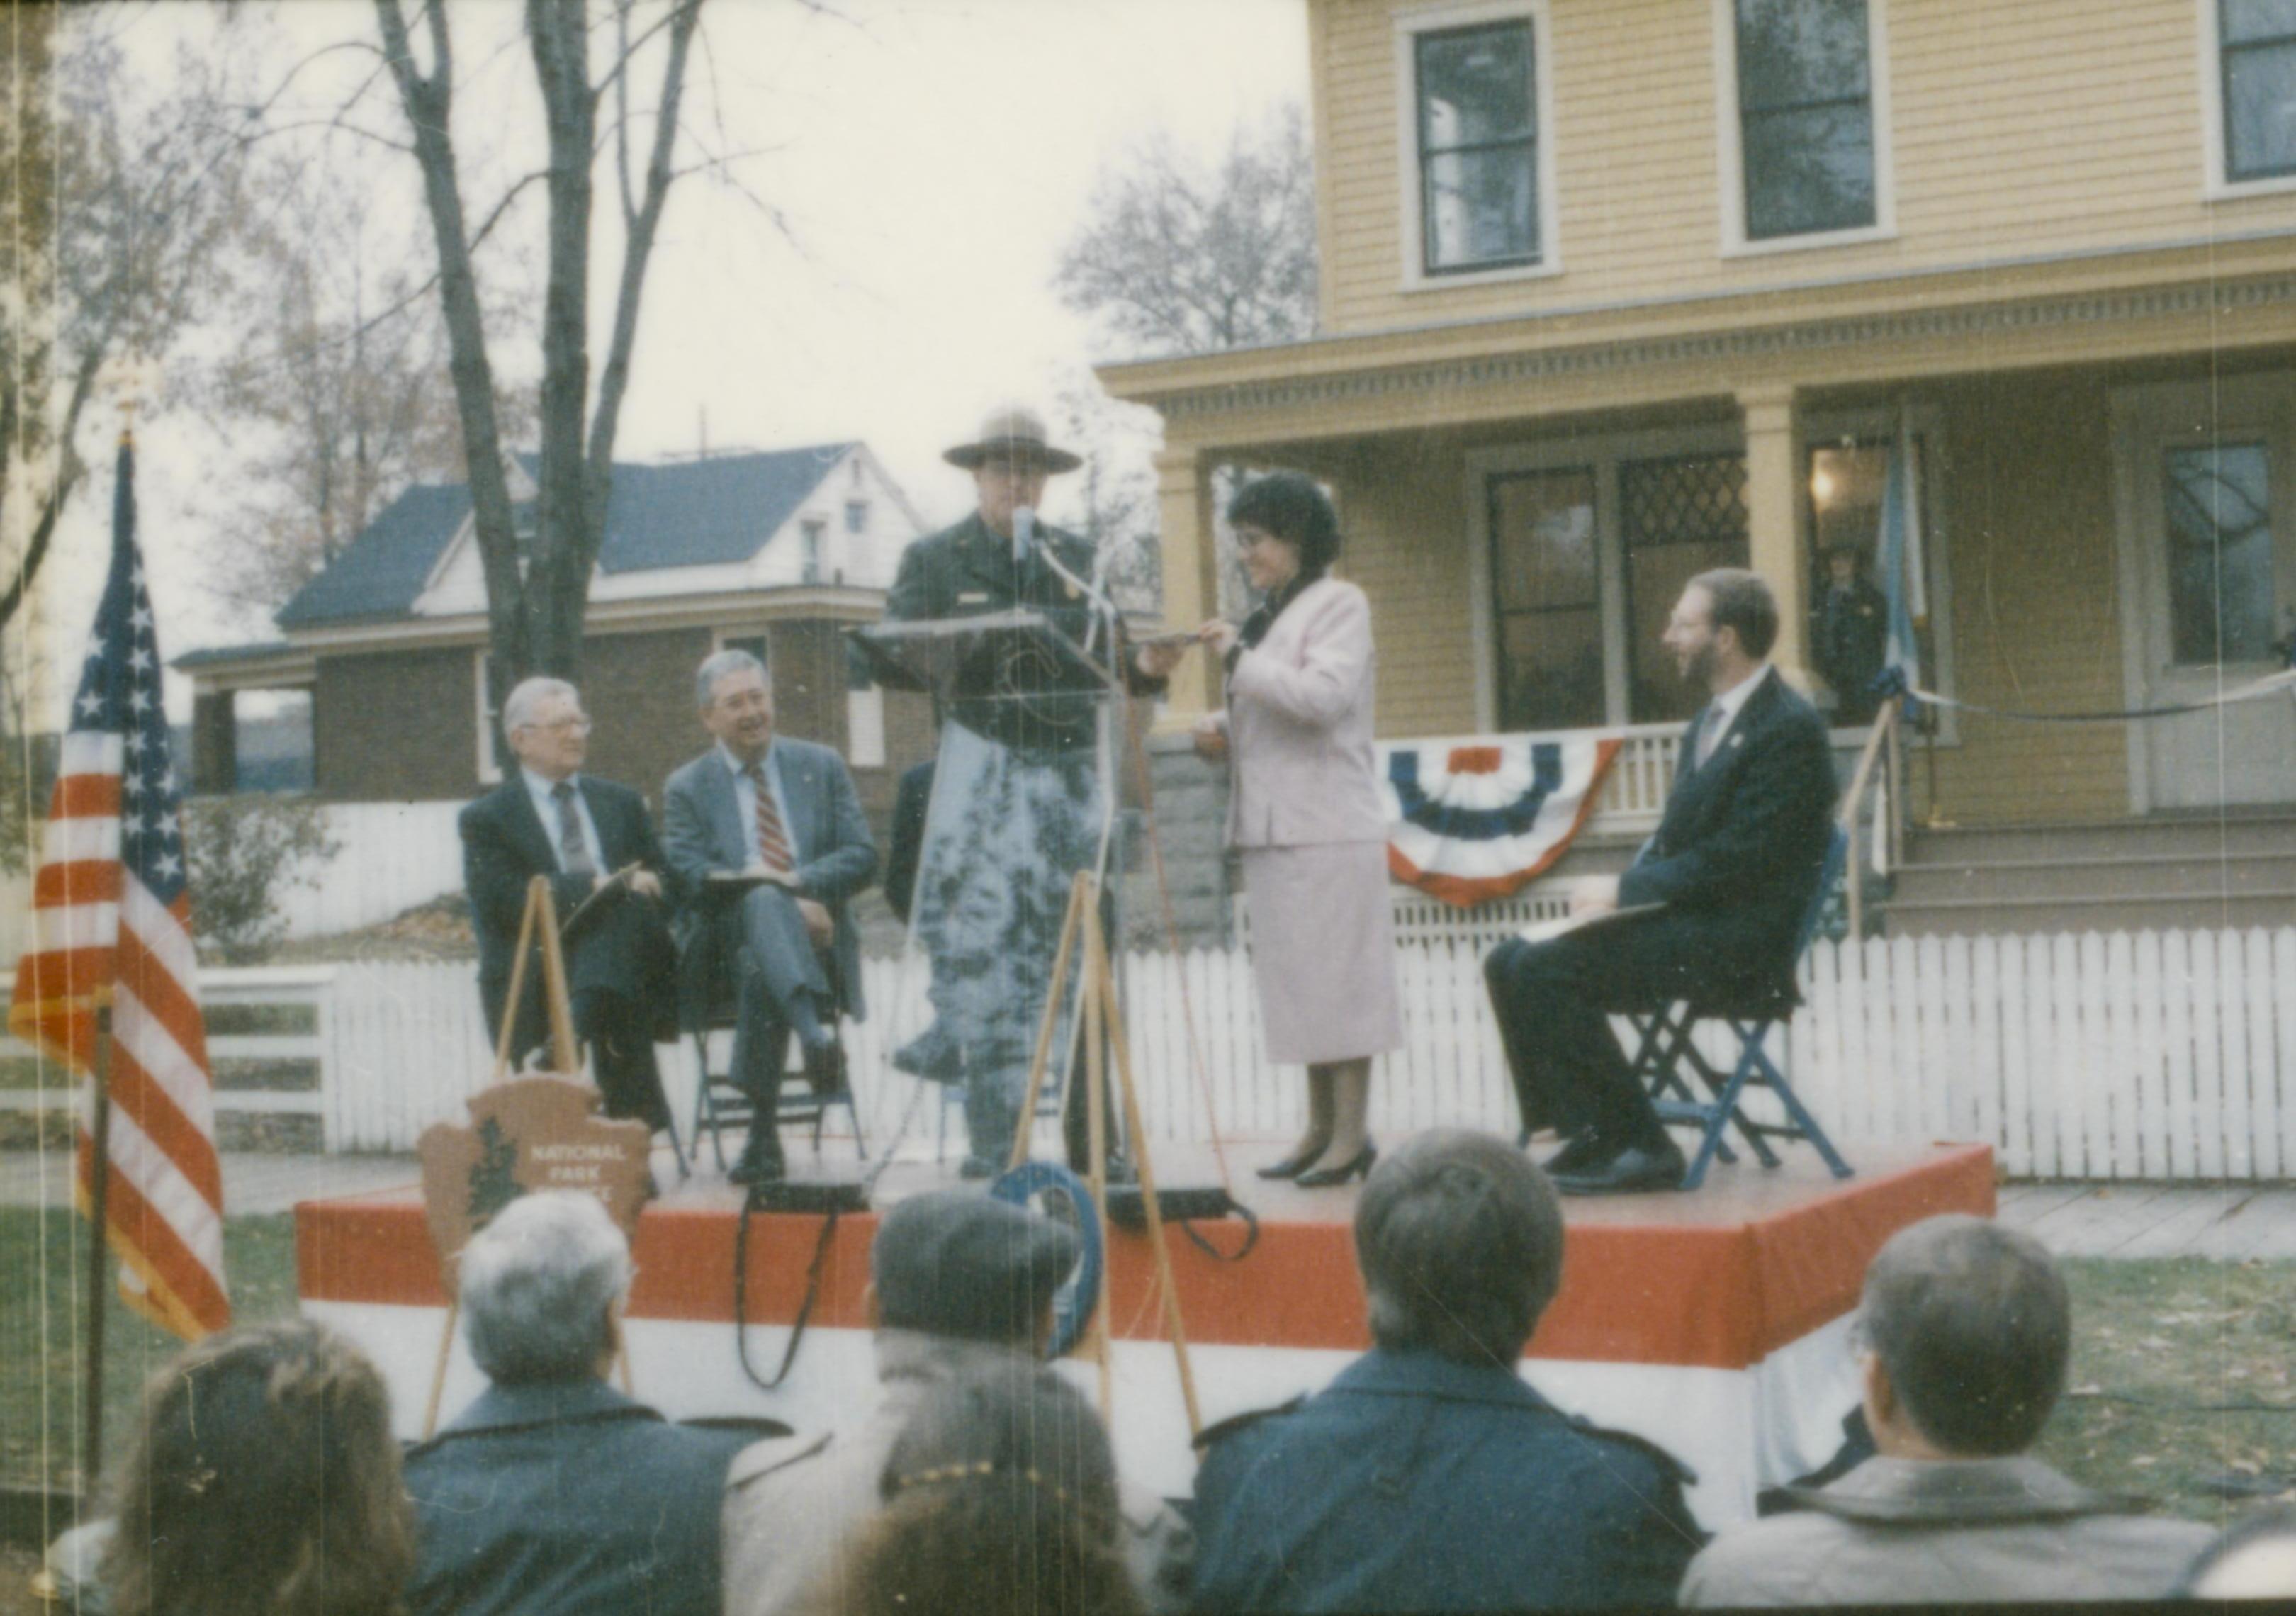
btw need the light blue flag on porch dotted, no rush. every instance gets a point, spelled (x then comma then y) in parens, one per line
(1901, 555)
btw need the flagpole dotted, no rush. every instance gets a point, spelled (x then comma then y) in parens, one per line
(99, 1185)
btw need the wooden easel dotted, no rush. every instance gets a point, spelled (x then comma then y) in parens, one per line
(1100, 1014)
(541, 918)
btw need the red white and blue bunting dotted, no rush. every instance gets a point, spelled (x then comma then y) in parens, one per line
(1469, 821)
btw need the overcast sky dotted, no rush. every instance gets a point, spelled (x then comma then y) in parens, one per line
(929, 158)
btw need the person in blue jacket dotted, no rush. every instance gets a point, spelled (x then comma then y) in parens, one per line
(1429, 1476)
(554, 1493)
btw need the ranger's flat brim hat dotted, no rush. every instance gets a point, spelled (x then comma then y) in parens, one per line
(1015, 434)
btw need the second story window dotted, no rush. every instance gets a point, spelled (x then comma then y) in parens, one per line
(1478, 135)
(2256, 44)
(856, 516)
(1805, 116)
(809, 533)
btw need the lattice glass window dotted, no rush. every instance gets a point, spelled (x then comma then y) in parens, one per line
(1478, 131)
(1806, 116)
(2257, 59)
(2220, 553)
(1547, 584)
(1677, 517)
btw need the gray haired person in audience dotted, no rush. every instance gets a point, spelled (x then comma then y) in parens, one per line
(1967, 1329)
(554, 1492)
(959, 1285)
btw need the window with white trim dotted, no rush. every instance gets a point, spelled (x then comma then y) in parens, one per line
(1805, 116)
(2256, 61)
(810, 533)
(864, 712)
(1476, 130)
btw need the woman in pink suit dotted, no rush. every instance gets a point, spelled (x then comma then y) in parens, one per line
(1304, 812)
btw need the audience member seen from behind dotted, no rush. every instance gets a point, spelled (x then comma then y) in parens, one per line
(2255, 1559)
(1967, 1329)
(554, 1492)
(999, 1497)
(1429, 1476)
(960, 1284)
(264, 1482)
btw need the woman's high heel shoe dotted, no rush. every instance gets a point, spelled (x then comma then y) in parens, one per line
(1293, 1164)
(1357, 1166)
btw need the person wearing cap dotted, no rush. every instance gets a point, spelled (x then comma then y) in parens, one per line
(1849, 634)
(1016, 800)
(960, 1284)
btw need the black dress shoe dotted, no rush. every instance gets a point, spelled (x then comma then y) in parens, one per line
(825, 1067)
(758, 1167)
(1580, 1152)
(1358, 1166)
(1296, 1163)
(932, 1053)
(1632, 1170)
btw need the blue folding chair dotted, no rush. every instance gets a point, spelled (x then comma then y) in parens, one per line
(1666, 1054)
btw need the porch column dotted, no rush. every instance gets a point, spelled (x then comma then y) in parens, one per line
(1191, 572)
(1777, 518)
(215, 742)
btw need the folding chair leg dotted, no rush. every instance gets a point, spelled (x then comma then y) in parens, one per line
(1679, 1048)
(1799, 1114)
(705, 1109)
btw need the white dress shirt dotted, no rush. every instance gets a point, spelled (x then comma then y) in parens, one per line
(545, 805)
(745, 798)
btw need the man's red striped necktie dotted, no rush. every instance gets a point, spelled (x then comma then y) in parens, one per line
(772, 841)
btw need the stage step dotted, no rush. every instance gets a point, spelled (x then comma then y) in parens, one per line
(2234, 870)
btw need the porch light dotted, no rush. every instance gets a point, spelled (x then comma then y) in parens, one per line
(1821, 486)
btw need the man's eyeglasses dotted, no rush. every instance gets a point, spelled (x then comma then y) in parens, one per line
(563, 726)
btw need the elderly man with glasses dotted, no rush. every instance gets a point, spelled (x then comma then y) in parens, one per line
(548, 818)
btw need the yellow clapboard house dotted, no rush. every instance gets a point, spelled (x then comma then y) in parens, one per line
(1613, 291)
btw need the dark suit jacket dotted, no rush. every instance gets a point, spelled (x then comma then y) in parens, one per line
(912, 804)
(1737, 854)
(624, 945)
(702, 832)
(968, 570)
(565, 1499)
(1415, 1483)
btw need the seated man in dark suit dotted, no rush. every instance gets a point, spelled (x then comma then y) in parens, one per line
(1734, 865)
(549, 818)
(765, 838)
(1429, 1476)
(554, 1492)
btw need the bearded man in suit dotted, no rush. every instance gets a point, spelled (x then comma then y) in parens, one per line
(1727, 877)
(548, 818)
(766, 841)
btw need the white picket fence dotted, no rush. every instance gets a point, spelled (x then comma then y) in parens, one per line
(2157, 1056)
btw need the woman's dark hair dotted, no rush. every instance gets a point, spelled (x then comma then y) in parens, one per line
(1000, 1497)
(1290, 507)
(264, 1482)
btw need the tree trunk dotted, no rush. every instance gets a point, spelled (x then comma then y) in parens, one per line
(428, 102)
(557, 571)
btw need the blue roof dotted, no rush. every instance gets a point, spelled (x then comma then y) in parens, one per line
(691, 513)
(382, 572)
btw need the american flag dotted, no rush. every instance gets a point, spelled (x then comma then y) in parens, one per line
(112, 920)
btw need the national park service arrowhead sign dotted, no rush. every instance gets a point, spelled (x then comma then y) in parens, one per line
(530, 1134)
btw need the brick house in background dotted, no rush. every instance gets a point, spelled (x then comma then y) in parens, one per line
(778, 552)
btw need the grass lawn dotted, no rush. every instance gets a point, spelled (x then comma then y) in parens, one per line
(2156, 1344)
(44, 1317)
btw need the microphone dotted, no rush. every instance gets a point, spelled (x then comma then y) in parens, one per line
(1024, 532)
